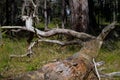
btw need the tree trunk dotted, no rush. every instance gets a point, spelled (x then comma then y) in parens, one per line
(92, 22)
(63, 14)
(74, 69)
(79, 15)
(80, 66)
(45, 14)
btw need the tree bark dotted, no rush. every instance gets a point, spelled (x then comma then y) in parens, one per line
(63, 13)
(79, 15)
(80, 66)
(80, 35)
(45, 14)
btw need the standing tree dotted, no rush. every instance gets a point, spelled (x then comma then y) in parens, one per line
(63, 13)
(45, 14)
(30, 14)
(79, 15)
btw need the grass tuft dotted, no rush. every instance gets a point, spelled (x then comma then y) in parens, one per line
(45, 53)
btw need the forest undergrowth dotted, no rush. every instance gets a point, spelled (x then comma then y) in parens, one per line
(47, 52)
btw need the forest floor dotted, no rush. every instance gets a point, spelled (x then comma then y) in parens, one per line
(46, 52)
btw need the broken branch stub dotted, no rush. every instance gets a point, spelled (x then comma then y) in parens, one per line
(106, 31)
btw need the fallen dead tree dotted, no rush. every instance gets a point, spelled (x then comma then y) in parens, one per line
(41, 34)
(53, 32)
(80, 66)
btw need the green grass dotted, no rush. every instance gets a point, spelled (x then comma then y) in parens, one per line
(45, 53)
(50, 25)
(111, 56)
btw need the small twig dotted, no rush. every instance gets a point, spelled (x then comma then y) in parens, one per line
(96, 70)
(111, 75)
(16, 30)
(106, 31)
(30, 52)
(61, 43)
(33, 4)
(98, 64)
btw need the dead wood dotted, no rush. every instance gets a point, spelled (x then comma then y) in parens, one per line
(30, 52)
(80, 66)
(80, 35)
(76, 69)
(111, 75)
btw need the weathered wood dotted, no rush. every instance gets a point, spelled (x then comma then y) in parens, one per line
(30, 52)
(111, 75)
(39, 33)
(80, 35)
(77, 67)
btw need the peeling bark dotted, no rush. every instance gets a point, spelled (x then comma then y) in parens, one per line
(79, 15)
(80, 66)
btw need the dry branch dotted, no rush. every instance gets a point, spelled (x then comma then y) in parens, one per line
(80, 66)
(98, 64)
(80, 35)
(30, 52)
(62, 43)
(111, 75)
(77, 67)
(96, 70)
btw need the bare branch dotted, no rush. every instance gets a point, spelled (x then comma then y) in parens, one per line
(33, 4)
(62, 43)
(96, 70)
(12, 27)
(16, 30)
(80, 35)
(98, 64)
(30, 52)
(111, 75)
(106, 30)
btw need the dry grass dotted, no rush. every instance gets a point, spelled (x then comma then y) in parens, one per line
(45, 53)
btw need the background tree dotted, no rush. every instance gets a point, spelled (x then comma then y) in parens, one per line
(100, 12)
(79, 15)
